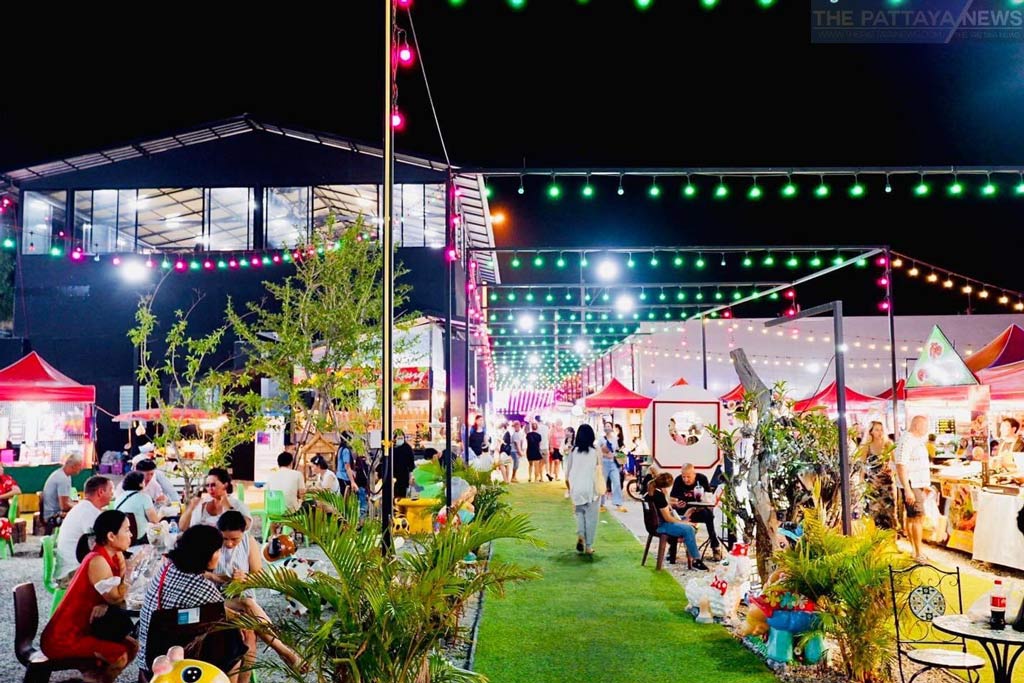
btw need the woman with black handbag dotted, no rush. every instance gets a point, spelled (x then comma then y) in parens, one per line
(88, 622)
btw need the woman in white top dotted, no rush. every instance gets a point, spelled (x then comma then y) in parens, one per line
(207, 506)
(239, 557)
(326, 480)
(586, 486)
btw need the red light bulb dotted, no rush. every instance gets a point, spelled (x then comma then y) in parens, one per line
(791, 312)
(208, 265)
(405, 55)
(727, 313)
(276, 258)
(180, 265)
(452, 254)
(883, 281)
(256, 262)
(232, 263)
(405, 4)
(880, 261)
(790, 294)
(397, 120)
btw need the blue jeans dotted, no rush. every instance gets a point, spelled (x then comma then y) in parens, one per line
(611, 471)
(685, 532)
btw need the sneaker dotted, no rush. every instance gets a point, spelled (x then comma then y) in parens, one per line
(579, 544)
(716, 553)
(604, 509)
(700, 566)
(621, 508)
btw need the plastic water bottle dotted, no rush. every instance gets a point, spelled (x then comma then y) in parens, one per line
(997, 604)
(698, 493)
(172, 527)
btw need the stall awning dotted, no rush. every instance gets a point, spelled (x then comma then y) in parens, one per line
(901, 392)
(525, 402)
(829, 396)
(1005, 382)
(1005, 349)
(33, 379)
(616, 395)
(737, 394)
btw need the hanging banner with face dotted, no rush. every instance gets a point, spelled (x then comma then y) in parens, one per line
(676, 425)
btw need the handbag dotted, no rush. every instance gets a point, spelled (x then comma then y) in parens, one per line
(115, 625)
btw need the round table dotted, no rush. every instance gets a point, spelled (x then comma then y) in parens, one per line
(1002, 647)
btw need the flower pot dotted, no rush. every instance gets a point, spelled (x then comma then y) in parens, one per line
(814, 649)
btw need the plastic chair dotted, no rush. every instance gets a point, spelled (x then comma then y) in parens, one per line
(7, 549)
(38, 666)
(49, 568)
(273, 511)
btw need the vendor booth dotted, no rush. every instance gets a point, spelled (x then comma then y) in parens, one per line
(615, 396)
(44, 416)
(676, 424)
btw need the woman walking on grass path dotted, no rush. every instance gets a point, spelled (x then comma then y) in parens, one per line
(584, 477)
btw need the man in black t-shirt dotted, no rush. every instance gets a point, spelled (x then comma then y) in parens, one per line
(688, 488)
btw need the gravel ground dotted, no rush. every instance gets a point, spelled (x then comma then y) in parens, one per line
(27, 564)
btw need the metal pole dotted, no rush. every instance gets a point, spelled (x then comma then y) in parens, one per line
(388, 284)
(448, 369)
(465, 393)
(632, 366)
(892, 342)
(844, 455)
(704, 350)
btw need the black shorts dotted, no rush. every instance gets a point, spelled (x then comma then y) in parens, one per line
(534, 457)
(556, 454)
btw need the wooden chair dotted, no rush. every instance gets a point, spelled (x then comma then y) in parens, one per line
(38, 666)
(928, 593)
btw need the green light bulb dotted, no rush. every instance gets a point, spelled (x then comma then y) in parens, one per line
(989, 189)
(584, 262)
(511, 296)
(792, 262)
(856, 190)
(718, 296)
(689, 190)
(708, 4)
(554, 191)
(754, 192)
(774, 296)
(789, 190)
(560, 263)
(737, 295)
(8, 243)
(956, 189)
(922, 189)
(747, 262)
(588, 191)
(538, 261)
(654, 262)
(55, 251)
(494, 296)
(677, 261)
(1019, 190)
(821, 191)
(549, 298)
(643, 296)
(654, 190)
(644, 4)
(517, 4)
(862, 263)
(529, 296)
(815, 261)
(222, 264)
(489, 191)
(516, 262)
(700, 263)
(699, 296)
(721, 190)
(837, 259)
(769, 260)
(661, 297)
(680, 295)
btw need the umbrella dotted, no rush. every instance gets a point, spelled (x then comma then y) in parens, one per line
(153, 414)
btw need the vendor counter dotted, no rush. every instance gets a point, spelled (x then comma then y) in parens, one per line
(997, 538)
(30, 478)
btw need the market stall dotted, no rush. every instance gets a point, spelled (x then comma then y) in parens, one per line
(677, 423)
(623, 406)
(44, 417)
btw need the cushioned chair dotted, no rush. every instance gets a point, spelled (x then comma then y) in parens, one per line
(49, 569)
(38, 666)
(927, 592)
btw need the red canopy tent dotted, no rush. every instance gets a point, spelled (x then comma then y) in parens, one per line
(737, 394)
(901, 392)
(153, 414)
(681, 382)
(1005, 349)
(33, 379)
(828, 397)
(616, 395)
(1005, 382)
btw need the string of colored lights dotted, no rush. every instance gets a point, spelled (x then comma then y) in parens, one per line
(641, 5)
(760, 183)
(948, 279)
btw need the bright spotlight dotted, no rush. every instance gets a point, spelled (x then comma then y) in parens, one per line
(608, 270)
(524, 322)
(579, 346)
(133, 271)
(625, 304)
(534, 360)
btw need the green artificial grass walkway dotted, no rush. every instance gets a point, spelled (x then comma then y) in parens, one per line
(603, 618)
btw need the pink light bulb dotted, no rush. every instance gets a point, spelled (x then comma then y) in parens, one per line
(256, 262)
(232, 263)
(405, 55)
(149, 263)
(397, 120)
(790, 294)
(452, 254)
(880, 261)
(883, 305)
(116, 260)
(76, 256)
(179, 265)
(208, 265)
(276, 258)
(405, 4)
(791, 312)
(883, 281)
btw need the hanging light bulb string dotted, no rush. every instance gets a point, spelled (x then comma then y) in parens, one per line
(426, 83)
(912, 267)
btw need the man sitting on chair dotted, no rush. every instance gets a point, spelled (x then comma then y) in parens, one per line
(682, 497)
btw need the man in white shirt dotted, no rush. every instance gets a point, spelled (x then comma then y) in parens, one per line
(98, 493)
(288, 481)
(518, 447)
(56, 498)
(545, 451)
(913, 476)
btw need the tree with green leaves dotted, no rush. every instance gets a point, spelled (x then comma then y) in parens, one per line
(179, 371)
(320, 331)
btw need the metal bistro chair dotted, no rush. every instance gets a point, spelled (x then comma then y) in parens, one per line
(651, 523)
(926, 595)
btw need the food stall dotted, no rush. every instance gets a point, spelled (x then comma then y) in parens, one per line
(44, 416)
(620, 406)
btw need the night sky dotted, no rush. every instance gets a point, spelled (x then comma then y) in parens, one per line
(603, 85)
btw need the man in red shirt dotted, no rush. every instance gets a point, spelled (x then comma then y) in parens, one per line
(8, 489)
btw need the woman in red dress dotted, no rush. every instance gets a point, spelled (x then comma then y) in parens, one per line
(69, 633)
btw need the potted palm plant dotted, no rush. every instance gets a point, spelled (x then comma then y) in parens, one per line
(378, 616)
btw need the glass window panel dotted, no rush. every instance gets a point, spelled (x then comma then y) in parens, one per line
(126, 209)
(347, 203)
(170, 219)
(43, 219)
(229, 217)
(287, 216)
(99, 234)
(83, 219)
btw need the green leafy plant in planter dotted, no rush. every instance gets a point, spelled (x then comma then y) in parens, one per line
(377, 617)
(848, 578)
